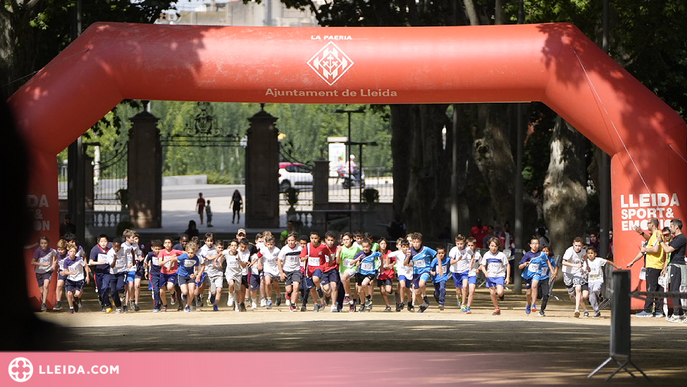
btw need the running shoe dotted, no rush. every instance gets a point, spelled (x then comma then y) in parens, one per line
(362, 308)
(388, 308)
(644, 314)
(468, 310)
(263, 303)
(125, 308)
(156, 310)
(279, 301)
(497, 312)
(423, 307)
(58, 305)
(304, 308)
(577, 314)
(658, 315)
(44, 307)
(399, 306)
(253, 305)
(542, 314)
(317, 307)
(441, 306)
(108, 310)
(597, 314)
(426, 300)
(230, 300)
(118, 311)
(334, 309)
(586, 313)
(71, 311)
(347, 299)
(268, 304)
(164, 309)
(534, 308)
(187, 309)
(180, 308)
(215, 308)
(136, 307)
(288, 302)
(463, 308)
(351, 307)
(293, 308)
(411, 308)
(528, 309)
(174, 299)
(368, 305)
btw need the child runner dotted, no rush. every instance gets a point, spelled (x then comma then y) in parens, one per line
(168, 273)
(460, 257)
(61, 256)
(76, 270)
(472, 274)
(405, 274)
(573, 277)
(130, 246)
(345, 256)
(495, 267)
(596, 278)
(213, 270)
(248, 261)
(189, 267)
(119, 260)
(366, 261)
(71, 241)
(316, 254)
(527, 274)
(306, 282)
(538, 269)
(45, 261)
(386, 273)
(152, 262)
(236, 281)
(98, 258)
(289, 270)
(440, 275)
(421, 258)
(201, 280)
(269, 254)
(330, 273)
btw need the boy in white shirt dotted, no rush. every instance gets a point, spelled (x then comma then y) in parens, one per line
(495, 267)
(593, 265)
(461, 257)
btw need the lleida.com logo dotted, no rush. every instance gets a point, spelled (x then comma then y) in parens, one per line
(20, 369)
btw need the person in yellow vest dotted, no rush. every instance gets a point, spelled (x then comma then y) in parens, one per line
(654, 261)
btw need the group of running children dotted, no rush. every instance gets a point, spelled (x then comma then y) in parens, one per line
(308, 266)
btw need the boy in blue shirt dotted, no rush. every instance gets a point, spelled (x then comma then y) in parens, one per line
(528, 274)
(189, 269)
(421, 260)
(367, 262)
(541, 279)
(441, 274)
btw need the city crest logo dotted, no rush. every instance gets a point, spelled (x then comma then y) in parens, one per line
(330, 63)
(20, 369)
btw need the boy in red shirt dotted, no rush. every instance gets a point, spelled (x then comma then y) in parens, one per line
(315, 255)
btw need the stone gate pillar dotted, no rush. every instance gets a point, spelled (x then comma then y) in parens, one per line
(262, 172)
(145, 172)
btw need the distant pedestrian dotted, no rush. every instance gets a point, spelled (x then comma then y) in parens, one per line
(200, 206)
(236, 206)
(208, 213)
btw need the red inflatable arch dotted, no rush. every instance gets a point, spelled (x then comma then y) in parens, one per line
(552, 63)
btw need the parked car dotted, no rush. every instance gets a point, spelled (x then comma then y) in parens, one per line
(294, 175)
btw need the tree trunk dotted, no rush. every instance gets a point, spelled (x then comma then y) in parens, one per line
(565, 194)
(420, 167)
(493, 156)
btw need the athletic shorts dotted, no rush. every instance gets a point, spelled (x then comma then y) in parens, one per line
(130, 276)
(254, 282)
(459, 277)
(168, 278)
(72, 286)
(185, 280)
(140, 274)
(492, 282)
(216, 282)
(41, 277)
(359, 278)
(573, 280)
(407, 281)
(418, 277)
(293, 276)
(61, 277)
(317, 273)
(276, 277)
(528, 283)
(472, 280)
(330, 276)
(350, 272)
(571, 288)
(383, 282)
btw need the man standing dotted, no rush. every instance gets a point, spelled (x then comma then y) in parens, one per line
(654, 263)
(677, 267)
(200, 206)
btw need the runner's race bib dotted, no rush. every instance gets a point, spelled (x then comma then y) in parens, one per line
(420, 263)
(367, 266)
(348, 262)
(314, 261)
